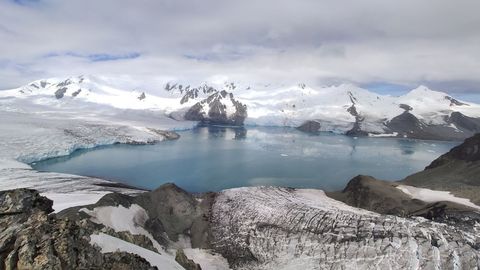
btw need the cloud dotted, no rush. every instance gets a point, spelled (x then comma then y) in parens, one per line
(370, 42)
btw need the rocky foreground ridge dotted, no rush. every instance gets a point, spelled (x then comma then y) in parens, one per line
(399, 227)
(30, 238)
(253, 228)
(258, 227)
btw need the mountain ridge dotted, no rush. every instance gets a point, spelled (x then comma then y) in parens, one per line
(421, 113)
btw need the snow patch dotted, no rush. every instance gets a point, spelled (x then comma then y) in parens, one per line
(63, 201)
(430, 196)
(112, 244)
(120, 218)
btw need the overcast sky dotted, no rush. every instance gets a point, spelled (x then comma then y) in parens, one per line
(387, 46)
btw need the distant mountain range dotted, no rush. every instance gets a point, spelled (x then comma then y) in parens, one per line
(421, 113)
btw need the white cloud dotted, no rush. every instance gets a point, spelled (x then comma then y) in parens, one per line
(317, 41)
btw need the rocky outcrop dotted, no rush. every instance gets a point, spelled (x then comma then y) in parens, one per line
(310, 126)
(142, 96)
(254, 228)
(409, 126)
(384, 197)
(188, 264)
(467, 125)
(168, 135)
(456, 171)
(357, 125)
(60, 92)
(469, 150)
(218, 108)
(376, 195)
(30, 238)
(171, 212)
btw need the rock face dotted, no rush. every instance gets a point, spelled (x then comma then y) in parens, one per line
(254, 228)
(32, 239)
(408, 125)
(468, 151)
(385, 198)
(188, 264)
(218, 108)
(456, 171)
(171, 212)
(215, 107)
(310, 126)
(376, 195)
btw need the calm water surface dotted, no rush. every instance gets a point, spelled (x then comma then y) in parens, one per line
(215, 158)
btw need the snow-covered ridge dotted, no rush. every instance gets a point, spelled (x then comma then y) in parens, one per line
(338, 108)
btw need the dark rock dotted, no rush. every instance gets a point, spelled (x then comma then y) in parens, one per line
(23, 201)
(171, 211)
(376, 195)
(76, 93)
(384, 198)
(468, 125)
(356, 130)
(217, 113)
(142, 96)
(310, 126)
(454, 102)
(406, 107)
(456, 171)
(30, 238)
(169, 135)
(188, 264)
(60, 92)
(469, 150)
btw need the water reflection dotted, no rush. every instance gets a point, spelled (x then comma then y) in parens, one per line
(215, 158)
(224, 132)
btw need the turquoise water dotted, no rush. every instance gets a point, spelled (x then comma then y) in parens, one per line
(215, 158)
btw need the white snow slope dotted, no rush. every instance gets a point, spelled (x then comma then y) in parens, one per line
(36, 126)
(267, 105)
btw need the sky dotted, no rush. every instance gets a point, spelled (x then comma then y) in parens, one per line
(383, 45)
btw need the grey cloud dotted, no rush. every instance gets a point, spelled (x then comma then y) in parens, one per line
(318, 41)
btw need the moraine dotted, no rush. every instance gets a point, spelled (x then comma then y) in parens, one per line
(217, 158)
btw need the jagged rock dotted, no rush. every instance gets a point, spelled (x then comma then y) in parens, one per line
(217, 110)
(376, 195)
(468, 125)
(188, 264)
(456, 171)
(406, 107)
(169, 135)
(76, 93)
(60, 92)
(32, 239)
(384, 197)
(171, 211)
(454, 102)
(469, 150)
(356, 130)
(310, 126)
(142, 96)
(217, 107)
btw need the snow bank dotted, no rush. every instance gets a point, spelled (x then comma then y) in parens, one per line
(121, 219)
(63, 201)
(207, 259)
(111, 244)
(430, 196)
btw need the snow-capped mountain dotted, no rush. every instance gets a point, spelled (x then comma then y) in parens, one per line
(346, 108)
